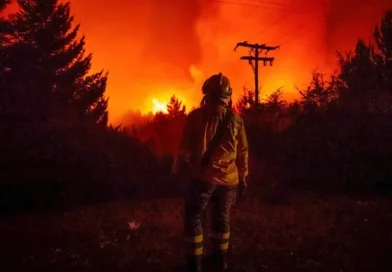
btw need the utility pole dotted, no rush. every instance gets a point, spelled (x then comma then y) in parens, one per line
(254, 58)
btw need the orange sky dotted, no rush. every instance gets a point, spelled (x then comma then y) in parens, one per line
(156, 48)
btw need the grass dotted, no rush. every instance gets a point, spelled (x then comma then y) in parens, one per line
(310, 233)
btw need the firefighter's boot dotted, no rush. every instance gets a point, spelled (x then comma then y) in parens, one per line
(194, 263)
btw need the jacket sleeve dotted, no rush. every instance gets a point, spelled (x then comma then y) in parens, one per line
(182, 159)
(242, 153)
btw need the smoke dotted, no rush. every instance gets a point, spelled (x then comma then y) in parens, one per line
(352, 19)
(155, 48)
(148, 46)
(297, 26)
(309, 33)
(171, 42)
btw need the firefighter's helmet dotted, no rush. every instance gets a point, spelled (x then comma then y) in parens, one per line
(217, 86)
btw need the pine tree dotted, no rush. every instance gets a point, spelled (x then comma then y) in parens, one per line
(383, 39)
(48, 66)
(246, 101)
(3, 24)
(275, 103)
(4, 52)
(3, 4)
(319, 93)
(366, 74)
(175, 107)
(357, 70)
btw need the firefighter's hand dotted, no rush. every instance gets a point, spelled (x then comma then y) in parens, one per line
(241, 189)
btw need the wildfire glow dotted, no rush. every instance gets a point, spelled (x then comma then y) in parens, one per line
(154, 49)
(158, 102)
(158, 106)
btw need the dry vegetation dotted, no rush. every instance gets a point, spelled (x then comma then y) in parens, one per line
(74, 190)
(309, 233)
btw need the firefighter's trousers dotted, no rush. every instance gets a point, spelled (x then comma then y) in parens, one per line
(200, 194)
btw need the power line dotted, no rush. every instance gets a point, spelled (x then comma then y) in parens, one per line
(271, 3)
(270, 7)
(296, 35)
(254, 58)
(281, 5)
(267, 5)
(279, 21)
(293, 33)
(292, 7)
(273, 24)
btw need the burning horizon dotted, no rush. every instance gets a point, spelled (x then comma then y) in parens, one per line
(154, 49)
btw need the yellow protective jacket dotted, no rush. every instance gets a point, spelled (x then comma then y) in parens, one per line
(229, 162)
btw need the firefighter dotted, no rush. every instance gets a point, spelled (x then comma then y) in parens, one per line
(217, 168)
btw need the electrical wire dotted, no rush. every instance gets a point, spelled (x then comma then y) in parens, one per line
(268, 27)
(293, 34)
(273, 6)
(267, 7)
(290, 35)
(274, 24)
(291, 7)
(280, 5)
(296, 36)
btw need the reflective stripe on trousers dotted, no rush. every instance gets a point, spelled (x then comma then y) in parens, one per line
(220, 241)
(200, 194)
(195, 245)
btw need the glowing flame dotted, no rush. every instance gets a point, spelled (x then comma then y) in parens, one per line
(158, 106)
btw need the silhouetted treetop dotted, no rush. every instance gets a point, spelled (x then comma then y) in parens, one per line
(368, 70)
(357, 70)
(383, 54)
(245, 102)
(319, 93)
(58, 68)
(383, 37)
(3, 4)
(175, 107)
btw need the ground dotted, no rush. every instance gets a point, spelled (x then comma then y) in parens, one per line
(307, 233)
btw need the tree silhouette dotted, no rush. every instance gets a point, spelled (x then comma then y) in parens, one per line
(245, 102)
(383, 55)
(175, 107)
(319, 93)
(365, 75)
(275, 104)
(357, 70)
(43, 49)
(3, 25)
(4, 3)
